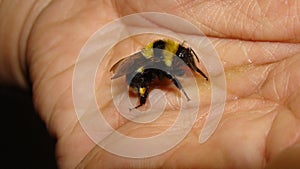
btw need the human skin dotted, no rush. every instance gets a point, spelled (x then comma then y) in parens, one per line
(257, 42)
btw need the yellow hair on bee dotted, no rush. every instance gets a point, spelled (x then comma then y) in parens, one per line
(140, 69)
(142, 91)
(170, 50)
(148, 51)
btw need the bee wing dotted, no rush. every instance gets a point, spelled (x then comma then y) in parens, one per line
(127, 65)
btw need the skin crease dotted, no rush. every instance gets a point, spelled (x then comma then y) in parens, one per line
(258, 44)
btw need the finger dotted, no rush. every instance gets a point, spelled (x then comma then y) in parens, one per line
(267, 20)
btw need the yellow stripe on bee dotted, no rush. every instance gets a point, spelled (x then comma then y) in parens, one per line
(170, 50)
(140, 69)
(148, 51)
(142, 91)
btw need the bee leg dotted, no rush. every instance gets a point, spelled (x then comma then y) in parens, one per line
(143, 94)
(194, 53)
(199, 71)
(142, 102)
(194, 67)
(178, 85)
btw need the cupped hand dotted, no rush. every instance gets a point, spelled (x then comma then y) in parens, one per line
(257, 42)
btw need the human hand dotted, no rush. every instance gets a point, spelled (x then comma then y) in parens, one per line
(258, 45)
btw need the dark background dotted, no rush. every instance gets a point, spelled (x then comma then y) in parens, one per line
(26, 141)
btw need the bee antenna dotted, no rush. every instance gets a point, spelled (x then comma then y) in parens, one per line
(195, 55)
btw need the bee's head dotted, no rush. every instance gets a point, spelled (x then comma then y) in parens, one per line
(184, 53)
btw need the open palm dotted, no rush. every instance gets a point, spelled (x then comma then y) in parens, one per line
(260, 55)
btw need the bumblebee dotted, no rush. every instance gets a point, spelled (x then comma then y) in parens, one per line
(158, 60)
